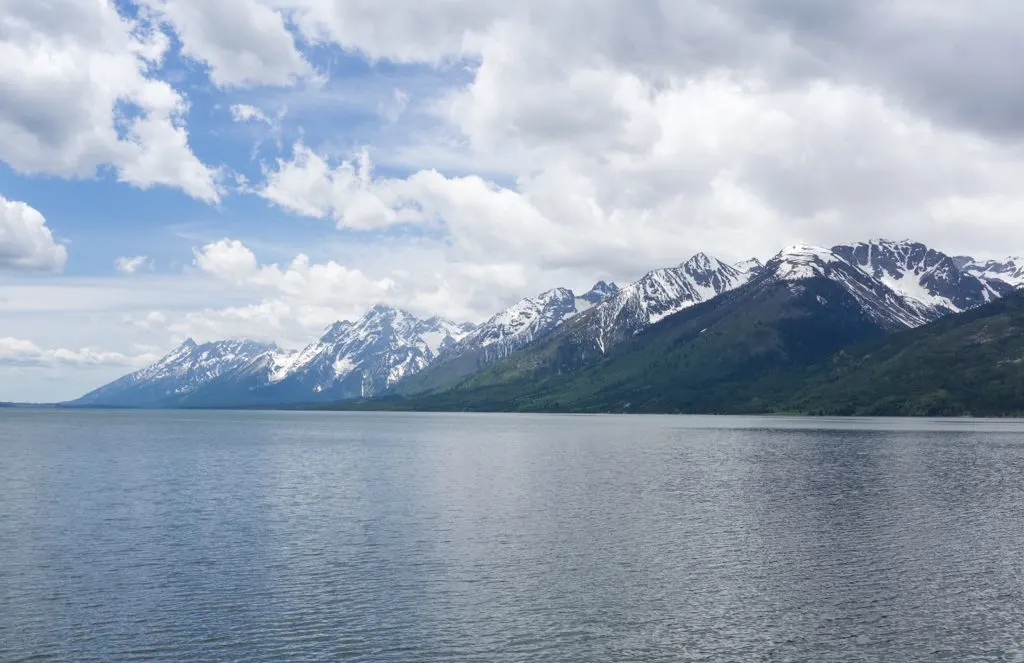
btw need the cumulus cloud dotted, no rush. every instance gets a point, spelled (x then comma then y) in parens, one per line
(227, 259)
(400, 30)
(26, 242)
(297, 299)
(80, 92)
(130, 265)
(19, 352)
(635, 134)
(230, 259)
(902, 48)
(348, 193)
(243, 42)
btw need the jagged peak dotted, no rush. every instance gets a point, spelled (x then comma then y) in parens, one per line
(335, 328)
(555, 294)
(905, 249)
(381, 308)
(601, 291)
(703, 262)
(605, 286)
(386, 314)
(748, 265)
(884, 241)
(191, 345)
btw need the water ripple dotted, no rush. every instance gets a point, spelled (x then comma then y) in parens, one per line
(315, 537)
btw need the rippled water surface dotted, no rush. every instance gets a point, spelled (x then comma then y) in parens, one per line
(218, 536)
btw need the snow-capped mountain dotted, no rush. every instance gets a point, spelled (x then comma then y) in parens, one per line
(530, 319)
(364, 358)
(751, 266)
(657, 295)
(185, 370)
(924, 274)
(879, 285)
(349, 360)
(600, 292)
(889, 309)
(1009, 271)
(524, 323)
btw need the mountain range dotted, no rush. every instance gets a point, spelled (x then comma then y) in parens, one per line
(705, 335)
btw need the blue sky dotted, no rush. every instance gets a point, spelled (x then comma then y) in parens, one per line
(260, 168)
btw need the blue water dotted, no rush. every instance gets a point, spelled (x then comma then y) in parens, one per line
(220, 536)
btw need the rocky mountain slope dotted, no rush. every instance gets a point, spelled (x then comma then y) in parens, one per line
(928, 276)
(1009, 271)
(596, 322)
(521, 325)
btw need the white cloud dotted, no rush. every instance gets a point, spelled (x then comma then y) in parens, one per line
(130, 265)
(247, 113)
(297, 299)
(318, 283)
(244, 42)
(613, 168)
(80, 93)
(19, 352)
(401, 30)
(227, 259)
(26, 242)
(347, 193)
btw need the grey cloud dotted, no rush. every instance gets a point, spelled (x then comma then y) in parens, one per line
(954, 62)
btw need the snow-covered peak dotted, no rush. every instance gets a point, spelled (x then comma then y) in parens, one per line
(1009, 271)
(525, 320)
(181, 371)
(887, 306)
(383, 314)
(801, 261)
(749, 266)
(701, 262)
(440, 334)
(190, 353)
(336, 329)
(659, 294)
(368, 356)
(600, 292)
(521, 324)
(922, 273)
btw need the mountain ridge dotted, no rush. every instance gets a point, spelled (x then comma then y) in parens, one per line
(896, 285)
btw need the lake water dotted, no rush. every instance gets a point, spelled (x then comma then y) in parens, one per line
(253, 536)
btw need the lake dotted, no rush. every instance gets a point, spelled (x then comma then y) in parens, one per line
(259, 536)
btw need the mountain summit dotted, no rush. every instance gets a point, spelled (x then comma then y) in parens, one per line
(364, 358)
